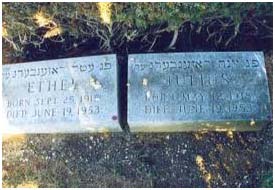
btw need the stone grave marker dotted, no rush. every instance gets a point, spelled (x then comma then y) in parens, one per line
(64, 96)
(196, 91)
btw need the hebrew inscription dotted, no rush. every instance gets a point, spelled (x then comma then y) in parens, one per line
(182, 88)
(65, 95)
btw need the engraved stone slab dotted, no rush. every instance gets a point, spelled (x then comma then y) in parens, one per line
(197, 91)
(64, 95)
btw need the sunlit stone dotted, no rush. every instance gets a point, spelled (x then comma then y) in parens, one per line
(197, 91)
(64, 95)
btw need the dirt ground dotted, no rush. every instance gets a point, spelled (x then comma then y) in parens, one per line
(212, 159)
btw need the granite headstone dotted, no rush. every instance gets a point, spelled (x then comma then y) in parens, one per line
(197, 91)
(65, 95)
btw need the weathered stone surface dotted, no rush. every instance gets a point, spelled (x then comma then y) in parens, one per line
(196, 91)
(64, 95)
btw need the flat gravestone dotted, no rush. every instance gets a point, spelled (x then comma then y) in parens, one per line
(197, 91)
(64, 95)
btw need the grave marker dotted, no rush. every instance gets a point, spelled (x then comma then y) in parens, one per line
(196, 91)
(64, 95)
